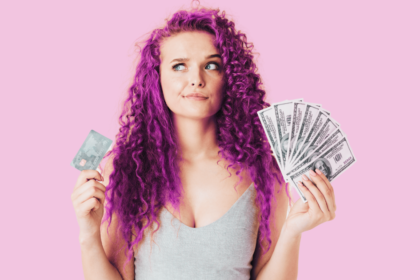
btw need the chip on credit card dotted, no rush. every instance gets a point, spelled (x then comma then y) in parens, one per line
(92, 151)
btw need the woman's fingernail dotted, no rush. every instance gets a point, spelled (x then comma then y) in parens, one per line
(318, 171)
(304, 177)
(313, 174)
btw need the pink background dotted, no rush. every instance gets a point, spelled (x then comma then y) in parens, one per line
(65, 67)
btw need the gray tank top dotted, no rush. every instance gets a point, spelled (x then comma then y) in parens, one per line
(221, 250)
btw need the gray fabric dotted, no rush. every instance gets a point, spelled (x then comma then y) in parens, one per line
(221, 250)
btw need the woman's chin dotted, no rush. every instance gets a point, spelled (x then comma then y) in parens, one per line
(194, 115)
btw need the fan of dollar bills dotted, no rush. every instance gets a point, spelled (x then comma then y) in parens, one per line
(304, 137)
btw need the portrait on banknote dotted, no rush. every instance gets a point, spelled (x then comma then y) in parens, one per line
(323, 165)
(277, 149)
(298, 145)
(284, 143)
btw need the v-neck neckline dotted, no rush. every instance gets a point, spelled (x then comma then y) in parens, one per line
(218, 220)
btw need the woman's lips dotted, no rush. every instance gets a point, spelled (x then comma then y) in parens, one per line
(196, 97)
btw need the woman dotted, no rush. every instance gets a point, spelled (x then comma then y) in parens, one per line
(192, 190)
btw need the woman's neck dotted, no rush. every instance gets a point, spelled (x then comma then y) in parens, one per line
(196, 138)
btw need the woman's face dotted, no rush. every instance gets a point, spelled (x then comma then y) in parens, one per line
(191, 64)
(285, 143)
(322, 167)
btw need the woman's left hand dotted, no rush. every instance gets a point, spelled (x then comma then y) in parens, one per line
(319, 208)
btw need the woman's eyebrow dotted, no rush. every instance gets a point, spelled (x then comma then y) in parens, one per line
(213, 55)
(185, 59)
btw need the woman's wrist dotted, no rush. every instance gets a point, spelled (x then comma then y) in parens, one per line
(289, 233)
(87, 240)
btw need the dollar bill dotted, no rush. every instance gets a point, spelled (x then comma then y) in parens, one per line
(268, 121)
(314, 151)
(309, 128)
(283, 112)
(311, 112)
(299, 109)
(283, 116)
(332, 162)
(320, 120)
(304, 137)
(329, 127)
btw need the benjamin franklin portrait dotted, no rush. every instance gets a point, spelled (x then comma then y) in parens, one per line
(324, 166)
(284, 143)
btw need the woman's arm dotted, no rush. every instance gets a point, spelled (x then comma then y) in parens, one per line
(95, 262)
(321, 207)
(279, 207)
(283, 263)
(103, 255)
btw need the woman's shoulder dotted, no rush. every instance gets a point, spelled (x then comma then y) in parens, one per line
(278, 213)
(113, 243)
(116, 247)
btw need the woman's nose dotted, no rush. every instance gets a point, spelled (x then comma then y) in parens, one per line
(196, 79)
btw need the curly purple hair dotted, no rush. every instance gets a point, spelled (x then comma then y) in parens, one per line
(145, 162)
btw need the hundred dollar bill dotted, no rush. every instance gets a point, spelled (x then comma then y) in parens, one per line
(299, 109)
(320, 120)
(314, 151)
(329, 127)
(268, 121)
(332, 162)
(308, 120)
(283, 113)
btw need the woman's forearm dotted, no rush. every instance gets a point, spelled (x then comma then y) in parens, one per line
(96, 265)
(283, 264)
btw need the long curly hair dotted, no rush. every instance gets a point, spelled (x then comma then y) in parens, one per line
(145, 161)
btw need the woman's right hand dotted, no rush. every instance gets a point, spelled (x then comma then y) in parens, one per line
(88, 202)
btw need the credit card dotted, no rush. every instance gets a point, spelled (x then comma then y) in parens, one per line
(92, 151)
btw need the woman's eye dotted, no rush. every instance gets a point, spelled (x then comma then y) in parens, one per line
(217, 65)
(176, 67)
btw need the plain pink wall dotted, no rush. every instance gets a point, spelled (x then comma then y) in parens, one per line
(65, 66)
